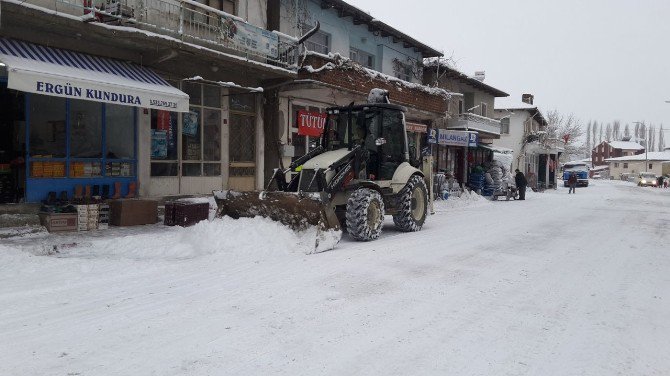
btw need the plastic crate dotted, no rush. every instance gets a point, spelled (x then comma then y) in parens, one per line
(185, 213)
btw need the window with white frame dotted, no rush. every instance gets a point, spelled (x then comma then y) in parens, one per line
(625, 165)
(651, 165)
(504, 126)
(363, 58)
(616, 164)
(319, 42)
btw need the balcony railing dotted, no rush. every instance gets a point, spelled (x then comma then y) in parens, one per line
(190, 22)
(474, 122)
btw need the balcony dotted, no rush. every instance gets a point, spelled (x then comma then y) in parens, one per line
(471, 122)
(186, 21)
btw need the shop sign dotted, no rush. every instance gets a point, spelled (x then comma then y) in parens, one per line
(311, 123)
(249, 37)
(432, 136)
(417, 127)
(64, 88)
(457, 138)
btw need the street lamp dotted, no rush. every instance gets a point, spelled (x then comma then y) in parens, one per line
(646, 145)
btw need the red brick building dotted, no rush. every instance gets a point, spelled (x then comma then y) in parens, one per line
(614, 149)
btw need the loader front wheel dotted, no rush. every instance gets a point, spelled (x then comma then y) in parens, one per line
(412, 205)
(365, 214)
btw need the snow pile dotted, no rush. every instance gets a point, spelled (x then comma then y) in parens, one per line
(220, 238)
(466, 199)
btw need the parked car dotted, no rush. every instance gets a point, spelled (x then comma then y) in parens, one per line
(596, 176)
(647, 179)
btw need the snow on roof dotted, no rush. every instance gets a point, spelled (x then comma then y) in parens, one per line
(338, 61)
(651, 156)
(510, 103)
(626, 145)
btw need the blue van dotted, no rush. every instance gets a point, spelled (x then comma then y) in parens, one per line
(579, 168)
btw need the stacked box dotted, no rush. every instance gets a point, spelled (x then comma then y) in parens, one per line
(93, 214)
(58, 222)
(82, 217)
(103, 216)
(169, 219)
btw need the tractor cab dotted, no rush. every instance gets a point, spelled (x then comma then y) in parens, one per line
(377, 129)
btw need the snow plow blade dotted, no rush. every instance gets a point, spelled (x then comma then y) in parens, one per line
(299, 211)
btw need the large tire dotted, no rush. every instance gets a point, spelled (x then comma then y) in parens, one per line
(412, 205)
(365, 214)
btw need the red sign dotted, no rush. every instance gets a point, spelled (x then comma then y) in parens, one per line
(417, 127)
(311, 123)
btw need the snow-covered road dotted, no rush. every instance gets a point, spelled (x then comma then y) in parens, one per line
(555, 285)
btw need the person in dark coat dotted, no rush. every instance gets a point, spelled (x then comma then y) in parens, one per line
(521, 184)
(572, 182)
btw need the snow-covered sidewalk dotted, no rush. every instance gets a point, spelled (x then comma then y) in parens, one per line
(557, 284)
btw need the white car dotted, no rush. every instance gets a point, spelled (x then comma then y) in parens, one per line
(647, 179)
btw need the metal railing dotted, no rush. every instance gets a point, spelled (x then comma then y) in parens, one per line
(190, 22)
(475, 122)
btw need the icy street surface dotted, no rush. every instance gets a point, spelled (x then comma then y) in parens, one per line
(555, 285)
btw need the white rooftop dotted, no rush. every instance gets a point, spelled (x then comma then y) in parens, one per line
(509, 103)
(652, 156)
(626, 145)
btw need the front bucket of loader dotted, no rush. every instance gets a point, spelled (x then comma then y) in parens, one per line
(299, 211)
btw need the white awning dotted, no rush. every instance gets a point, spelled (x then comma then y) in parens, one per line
(50, 71)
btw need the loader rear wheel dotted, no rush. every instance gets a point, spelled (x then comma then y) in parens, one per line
(365, 214)
(412, 205)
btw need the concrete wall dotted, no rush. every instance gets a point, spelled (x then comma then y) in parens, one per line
(344, 35)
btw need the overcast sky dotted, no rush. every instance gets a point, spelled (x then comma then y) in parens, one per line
(599, 59)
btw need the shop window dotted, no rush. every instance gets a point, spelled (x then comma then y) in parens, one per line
(164, 169)
(191, 169)
(120, 122)
(243, 103)
(164, 143)
(47, 127)
(212, 135)
(242, 138)
(85, 129)
(191, 137)
(98, 146)
(194, 91)
(212, 169)
(211, 96)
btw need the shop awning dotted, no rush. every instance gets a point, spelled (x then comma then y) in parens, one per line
(51, 71)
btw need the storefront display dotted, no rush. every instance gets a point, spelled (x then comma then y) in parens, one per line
(75, 119)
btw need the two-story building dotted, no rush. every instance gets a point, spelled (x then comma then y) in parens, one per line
(614, 149)
(351, 54)
(166, 94)
(470, 110)
(524, 130)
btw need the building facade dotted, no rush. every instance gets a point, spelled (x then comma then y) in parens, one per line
(166, 95)
(524, 130)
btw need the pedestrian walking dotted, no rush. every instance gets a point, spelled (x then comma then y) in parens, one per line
(521, 184)
(660, 182)
(572, 182)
